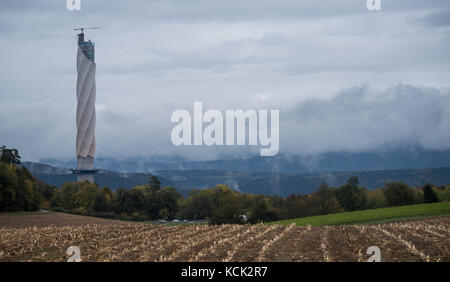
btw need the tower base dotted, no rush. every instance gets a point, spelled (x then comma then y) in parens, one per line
(85, 163)
(85, 169)
(83, 177)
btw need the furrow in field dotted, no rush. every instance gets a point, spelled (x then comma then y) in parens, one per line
(340, 247)
(286, 248)
(221, 249)
(429, 247)
(250, 250)
(256, 236)
(325, 244)
(307, 245)
(439, 231)
(118, 243)
(269, 245)
(198, 251)
(114, 244)
(155, 248)
(45, 243)
(394, 247)
(358, 241)
(192, 246)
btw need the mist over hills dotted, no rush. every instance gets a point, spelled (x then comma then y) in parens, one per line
(281, 175)
(332, 161)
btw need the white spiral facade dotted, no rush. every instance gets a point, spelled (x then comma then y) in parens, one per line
(86, 91)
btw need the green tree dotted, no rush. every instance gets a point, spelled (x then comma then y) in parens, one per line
(295, 206)
(135, 202)
(276, 201)
(444, 194)
(352, 197)
(119, 200)
(18, 188)
(24, 190)
(66, 198)
(376, 199)
(262, 211)
(169, 202)
(155, 183)
(47, 194)
(8, 183)
(9, 156)
(398, 194)
(198, 205)
(248, 202)
(324, 200)
(85, 197)
(227, 206)
(101, 203)
(429, 195)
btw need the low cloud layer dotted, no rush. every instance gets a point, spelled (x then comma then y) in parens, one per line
(361, 119)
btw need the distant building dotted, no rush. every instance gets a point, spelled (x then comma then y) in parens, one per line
(85, 143)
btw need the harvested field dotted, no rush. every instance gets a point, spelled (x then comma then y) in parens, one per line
(418, 240)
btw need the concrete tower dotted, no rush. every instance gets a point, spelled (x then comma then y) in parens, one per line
(85, 143)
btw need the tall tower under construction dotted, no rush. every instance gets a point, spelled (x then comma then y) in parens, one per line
(85, 143)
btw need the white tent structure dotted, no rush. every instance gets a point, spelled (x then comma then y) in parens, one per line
(85, 143)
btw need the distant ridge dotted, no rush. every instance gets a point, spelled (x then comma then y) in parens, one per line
(337, 161)
(282, 184)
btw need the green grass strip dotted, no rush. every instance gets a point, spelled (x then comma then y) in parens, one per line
(373, 216)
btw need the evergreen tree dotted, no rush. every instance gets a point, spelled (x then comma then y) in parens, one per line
(155, 183)
(9, 156)
(352, 197)
(429, 195)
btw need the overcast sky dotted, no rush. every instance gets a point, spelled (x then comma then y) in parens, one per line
(343, 77)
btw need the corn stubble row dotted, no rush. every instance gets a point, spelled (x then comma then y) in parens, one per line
(427, 240)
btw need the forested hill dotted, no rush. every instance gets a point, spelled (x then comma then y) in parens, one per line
(416, 158)
(281, 184)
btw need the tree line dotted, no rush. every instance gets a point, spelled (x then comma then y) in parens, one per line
(21, 191)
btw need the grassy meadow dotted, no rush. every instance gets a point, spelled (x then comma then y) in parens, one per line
(381, 215)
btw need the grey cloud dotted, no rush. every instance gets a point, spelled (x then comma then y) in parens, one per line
(298, 54)
(223, 58)
(215, 10)
(197, 10)
(154, 57)
(360, 119)
(437, 19)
